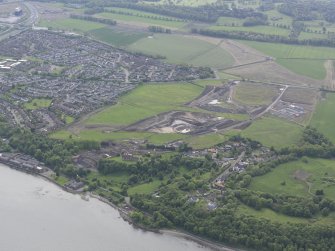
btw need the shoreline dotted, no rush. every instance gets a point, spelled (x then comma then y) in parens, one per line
(172, 232)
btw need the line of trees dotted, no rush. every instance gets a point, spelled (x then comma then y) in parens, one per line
(254, 36)
(94, 19)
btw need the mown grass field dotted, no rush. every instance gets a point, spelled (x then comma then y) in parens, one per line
(293, 51)
(145, 101)
(184, 50)
(305, 60)
(255, 94)
(320, 173)
(37, 103)
(116, 38)
(205, 141)
(264, 29)
(310, 68)
(71, 24)
(271, 131)
(324, 117)
(145, 19)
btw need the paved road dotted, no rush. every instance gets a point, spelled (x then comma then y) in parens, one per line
(226, 172)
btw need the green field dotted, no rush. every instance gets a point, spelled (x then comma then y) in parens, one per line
(144, 19)
(315, 174)
(324, 117)
(229, 21)
(293, 51)
(71, 24)
(268, 214)
(264, 29)
(184, 50)
(38, 103)
(116, 38)
(274, 132)
(97, 135)
(309, 35)
(146, 188)
(255, 94)
(205, 141)
(283, 19)
(304, 60)
(193, 3)
(145, 101)
(310, 68)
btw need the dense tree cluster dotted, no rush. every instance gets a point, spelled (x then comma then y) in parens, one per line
(154, 167)
(206, 13)
(56, 154)
(288, 205)
(159, 29)
(305, 10)
(226, 225)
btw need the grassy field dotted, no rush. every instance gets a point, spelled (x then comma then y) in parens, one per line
(324, 117)
(317, 174)
(264, 29)
(71, 24)
(146, 188)
(255, 94)
(184, 50)
(193, 3)
(38, 103)
(145, 19)
(116, 38)
(283, 19)
(205, 141)
(145, 101)
(310, 68)
(274, 132)
(97, 135)
(305, 60)
(308, 35)
(229, 21)
(293, 51)
(280, 218)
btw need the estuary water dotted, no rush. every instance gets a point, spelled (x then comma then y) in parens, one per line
(37, 215)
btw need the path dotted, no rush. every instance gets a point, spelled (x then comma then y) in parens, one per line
(226, 172)
(272, 104)
(330, 77)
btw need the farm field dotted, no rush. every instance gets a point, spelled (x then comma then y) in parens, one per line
(324, 117)
(271, 30)
(146, 101)
(255, 94)
(292, 51)
(145, 19)
(116, 38)
(310, 68)
(271, 131)
(301, 178)
(71, 24)
(179, 49)
(310, 59)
